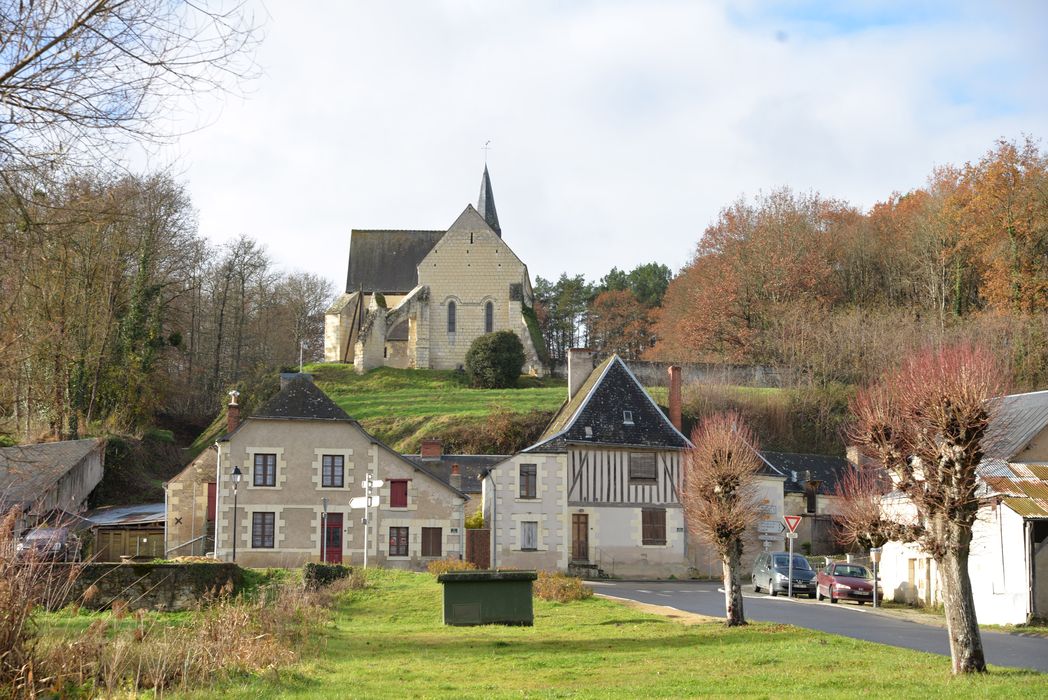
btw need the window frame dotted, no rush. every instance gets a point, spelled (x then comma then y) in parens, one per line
(400, 543)
(397, 482)
(627, 418)
(528, 483)
(489, 317)
(535, 526)
(650, 530)
(255, 470)
(654, 478)
(259, 527)
(452, 316)
(341, 466)
(427, 545)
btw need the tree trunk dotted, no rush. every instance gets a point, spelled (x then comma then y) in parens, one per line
(966, 648)
(730, 562)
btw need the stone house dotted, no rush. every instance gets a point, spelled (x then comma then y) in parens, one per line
(810, 491)
(49, 477)
(302, 459)
(464, 472)
(418, 299)
(598, 491)
(1008, 562)
(190, 499)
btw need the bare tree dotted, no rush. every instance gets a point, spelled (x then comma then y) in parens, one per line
(861, 519)
(720, 504)
(80, 74)
(927, 424)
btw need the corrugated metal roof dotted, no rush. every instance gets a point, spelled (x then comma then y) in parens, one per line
(1002, 486)
(1017, 421)
(126, 515)
(1027, 508)
(1041, 472)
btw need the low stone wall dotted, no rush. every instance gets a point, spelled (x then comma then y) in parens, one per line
(657, 373)
(170, 587)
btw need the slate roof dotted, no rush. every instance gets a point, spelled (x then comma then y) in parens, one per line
(823, 468)
(28, 471)
(469, 465)
(609, 391)
(1019, 418)
(301, 398)
(486, 203)
(387, 261)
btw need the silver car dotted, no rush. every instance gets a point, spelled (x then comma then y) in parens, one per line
(771, 573)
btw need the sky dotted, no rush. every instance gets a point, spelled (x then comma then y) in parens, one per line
(618, 130)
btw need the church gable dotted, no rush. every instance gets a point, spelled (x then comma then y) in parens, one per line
(470, 234)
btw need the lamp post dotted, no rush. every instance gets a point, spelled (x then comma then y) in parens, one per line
(875, 558)
(236, 482)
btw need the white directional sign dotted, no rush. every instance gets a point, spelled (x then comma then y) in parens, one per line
(363, 502)
(792, 535)
(769, 538)
(767, 508)
(770, 527)
(375, 483)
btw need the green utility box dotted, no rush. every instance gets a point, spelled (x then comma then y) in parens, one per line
(488, 597)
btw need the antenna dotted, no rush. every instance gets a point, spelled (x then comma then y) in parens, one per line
(486, 147)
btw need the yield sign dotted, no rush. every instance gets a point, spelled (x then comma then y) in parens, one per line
(792, 521)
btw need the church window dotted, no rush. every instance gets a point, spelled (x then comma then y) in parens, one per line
(451, 317)
(489, 317)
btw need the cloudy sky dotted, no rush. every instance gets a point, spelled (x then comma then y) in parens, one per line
(618, 129)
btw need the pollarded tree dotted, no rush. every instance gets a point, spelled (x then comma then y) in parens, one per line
(719, 497)
(928, 425)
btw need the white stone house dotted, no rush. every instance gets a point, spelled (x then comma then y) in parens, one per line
(598, 491)
(418, 299)
(1008, 563)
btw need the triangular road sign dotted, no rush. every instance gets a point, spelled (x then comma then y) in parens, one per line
(792, 521)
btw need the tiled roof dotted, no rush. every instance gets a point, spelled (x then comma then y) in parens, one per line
(28, 471)
(470, 467)
(387, 261)
(1018, 420)
(600, 405)
(486, 203)
(300, 398)
(823, 468)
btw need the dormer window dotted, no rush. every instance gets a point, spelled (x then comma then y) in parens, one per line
(589, 432)
(627, 417)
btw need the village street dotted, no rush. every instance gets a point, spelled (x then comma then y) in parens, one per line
(850, 620)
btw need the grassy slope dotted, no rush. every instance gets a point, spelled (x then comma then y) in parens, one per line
(388, 642)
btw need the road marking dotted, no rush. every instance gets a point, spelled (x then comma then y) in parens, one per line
(641, 590)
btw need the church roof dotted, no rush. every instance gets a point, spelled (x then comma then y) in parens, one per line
(597, 415)
(486, 203)
(387, 261)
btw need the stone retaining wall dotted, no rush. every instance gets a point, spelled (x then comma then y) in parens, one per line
(169, 587)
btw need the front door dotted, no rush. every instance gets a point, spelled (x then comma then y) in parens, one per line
(333, 538)
(579, 537)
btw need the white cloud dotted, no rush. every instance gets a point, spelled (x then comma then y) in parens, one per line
(619, 129)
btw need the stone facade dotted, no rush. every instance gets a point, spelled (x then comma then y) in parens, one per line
(168, 587)
(190, 520)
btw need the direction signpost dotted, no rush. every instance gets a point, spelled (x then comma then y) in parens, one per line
(792, 521)
(368, 500)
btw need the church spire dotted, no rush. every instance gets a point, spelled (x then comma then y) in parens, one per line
(486, 203)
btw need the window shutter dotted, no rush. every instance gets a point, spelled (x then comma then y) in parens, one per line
(398, 494)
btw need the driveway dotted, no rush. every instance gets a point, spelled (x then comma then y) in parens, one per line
(846, 619)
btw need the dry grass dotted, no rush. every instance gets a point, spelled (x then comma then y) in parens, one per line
(441, 566)
(561, 588)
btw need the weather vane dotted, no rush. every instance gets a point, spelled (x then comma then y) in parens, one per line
(486, 147)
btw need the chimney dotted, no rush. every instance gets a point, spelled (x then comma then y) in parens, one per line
(675, 396)
(233, 412)
(580, 365)
(431, 449)
(456, 477)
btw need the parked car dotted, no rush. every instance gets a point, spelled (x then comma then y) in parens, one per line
(771, 572)
(843, 581)
(49, 543)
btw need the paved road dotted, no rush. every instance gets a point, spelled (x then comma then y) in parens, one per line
(846, 619)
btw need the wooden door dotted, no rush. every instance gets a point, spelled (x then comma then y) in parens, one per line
(579, 537)
(333, 538)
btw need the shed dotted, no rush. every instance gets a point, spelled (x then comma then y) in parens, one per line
(127, 531)
(49, 476)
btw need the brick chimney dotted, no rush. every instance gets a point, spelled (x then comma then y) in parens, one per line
(233, 412)
(580, 365)
(431, 448)
(675, 396)
(456, 477)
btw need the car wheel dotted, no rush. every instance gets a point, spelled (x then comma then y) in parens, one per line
(771, 589)
(756, 588)
(832, 598)
(811, 596)
(861, 602)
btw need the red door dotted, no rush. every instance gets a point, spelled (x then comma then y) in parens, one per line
(333, 538)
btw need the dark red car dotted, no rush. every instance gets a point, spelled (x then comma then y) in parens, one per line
(842, 581)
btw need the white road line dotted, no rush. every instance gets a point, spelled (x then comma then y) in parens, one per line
(641, 590)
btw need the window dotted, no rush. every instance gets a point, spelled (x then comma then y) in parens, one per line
(333, 471)
(627, 417)
(398, 493)
(265, 470)
(489, 317)
(451, 317)
(432, 542)
(263, 528)
(398, 541)
(642, 466)
(653, 521)
(528, 481)
(529, 535)
(810, 496)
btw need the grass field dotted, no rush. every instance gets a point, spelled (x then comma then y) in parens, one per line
(388, 642)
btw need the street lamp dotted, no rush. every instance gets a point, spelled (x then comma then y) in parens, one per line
(236, 482)
(875, 558)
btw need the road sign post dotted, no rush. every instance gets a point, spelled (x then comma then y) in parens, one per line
(366, 502)
(792, 521)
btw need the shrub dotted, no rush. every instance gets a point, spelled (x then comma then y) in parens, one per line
(561, 588)
(315, 575)
(441, 566)
(475, 521)
(494, 360)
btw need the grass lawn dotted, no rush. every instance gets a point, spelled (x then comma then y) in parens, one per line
(388, 642)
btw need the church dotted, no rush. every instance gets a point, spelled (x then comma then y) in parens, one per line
(418, 299)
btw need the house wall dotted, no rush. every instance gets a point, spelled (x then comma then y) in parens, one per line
(504, 510)
(70, 492)
(1039, 546)
(816, 529)
(187, 508)
(296, 499)
(338, 322)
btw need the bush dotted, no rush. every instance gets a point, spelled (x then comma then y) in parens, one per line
(494, 360)
(561, 588)
(475, 521)
(316, 575)
(441, 566)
